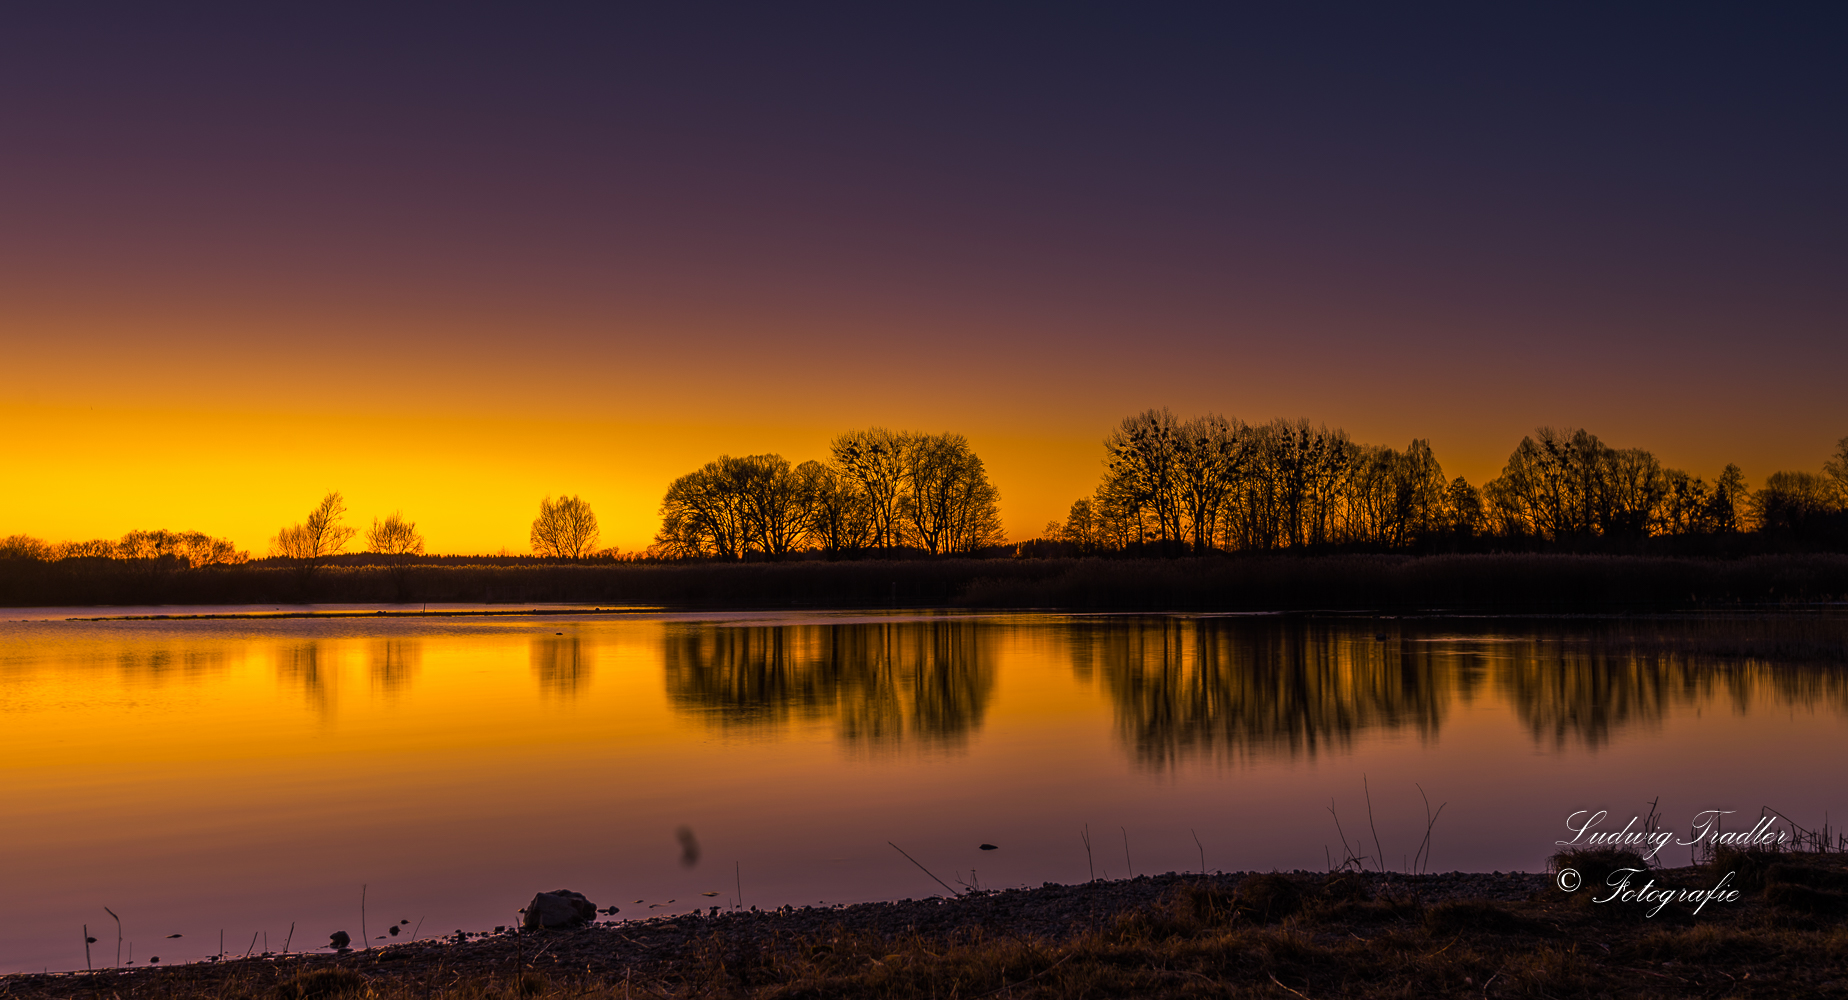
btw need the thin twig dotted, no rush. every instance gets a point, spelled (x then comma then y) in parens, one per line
(1202, 848)
(1023, 982)
(1379, 853)
(1126, 861)
(118, 921)
(923, 869)
(1279, 982)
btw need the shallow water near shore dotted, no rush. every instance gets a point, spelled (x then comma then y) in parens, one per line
(243, 775)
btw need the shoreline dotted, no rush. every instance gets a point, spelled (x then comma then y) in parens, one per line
(1238, 929)
(1386, 583)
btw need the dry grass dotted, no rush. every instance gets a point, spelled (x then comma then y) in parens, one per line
(1199, 940)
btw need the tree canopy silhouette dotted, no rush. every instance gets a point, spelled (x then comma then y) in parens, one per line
(394, 536)
(320, 536)
(565, 529)
(880, 490)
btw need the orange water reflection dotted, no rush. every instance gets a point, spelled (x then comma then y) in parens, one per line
(239, 775)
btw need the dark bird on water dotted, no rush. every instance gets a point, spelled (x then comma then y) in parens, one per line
(990, 847)
(339, 940)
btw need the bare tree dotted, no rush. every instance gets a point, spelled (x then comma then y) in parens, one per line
(875, 460)
(1731, 501)
(1209, 458)
(566, 529)
(185, 548)
(1837, 469)
(704, 515)
(948, 503)
(25, 547)
(838, 516)
(394, 536)
(322, 535)
(1144, 460)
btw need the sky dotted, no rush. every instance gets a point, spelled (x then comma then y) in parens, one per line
(450, 260)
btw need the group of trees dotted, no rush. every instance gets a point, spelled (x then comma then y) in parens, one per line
(174, 548)
(879, 491)
(1212, 483)
(323, 534)
(1170, 487)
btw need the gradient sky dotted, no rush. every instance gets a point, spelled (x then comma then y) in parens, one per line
(452, 261)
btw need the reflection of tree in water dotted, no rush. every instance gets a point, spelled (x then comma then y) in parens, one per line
(1253, 686)
(156, 666)
(1185, 687)
(395, 663)
(311, 668)
(562, 666)
(882, 683)
(1582, 682)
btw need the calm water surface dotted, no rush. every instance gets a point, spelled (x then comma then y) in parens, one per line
(240, 776)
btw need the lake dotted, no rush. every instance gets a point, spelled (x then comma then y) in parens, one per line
(242, 776)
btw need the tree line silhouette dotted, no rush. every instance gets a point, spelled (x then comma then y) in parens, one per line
(879, 492)
(1208, 484)
(1178, 487)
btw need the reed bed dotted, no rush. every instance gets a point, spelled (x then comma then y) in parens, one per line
(1500, 583)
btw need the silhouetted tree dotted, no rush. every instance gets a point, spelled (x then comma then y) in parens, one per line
(733, 506)
(1464, 516)
(320, 536)
(1794, 502)
(566, 529)
(24, 547)
(1210, 455)
(394, 536)
(1568, 484)
(1730, 502)
(1144, 461)
(947, 501)
(875, 460)
(775, 508)
(1836, 468)
(185, 549)
(1079, 530)
(839, 519)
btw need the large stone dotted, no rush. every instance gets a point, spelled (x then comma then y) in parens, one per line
(558, 908)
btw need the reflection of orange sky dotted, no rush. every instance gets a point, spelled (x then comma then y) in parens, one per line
(245, 775)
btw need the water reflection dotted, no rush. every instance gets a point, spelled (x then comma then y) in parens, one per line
(395, 663)
(312, 668)
(1219, 687)
(1585, 685)
(561, 665)
(881, 684)
(155, 666)
(1241, 688)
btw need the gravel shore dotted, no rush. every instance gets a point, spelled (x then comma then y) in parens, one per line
(613, 948)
